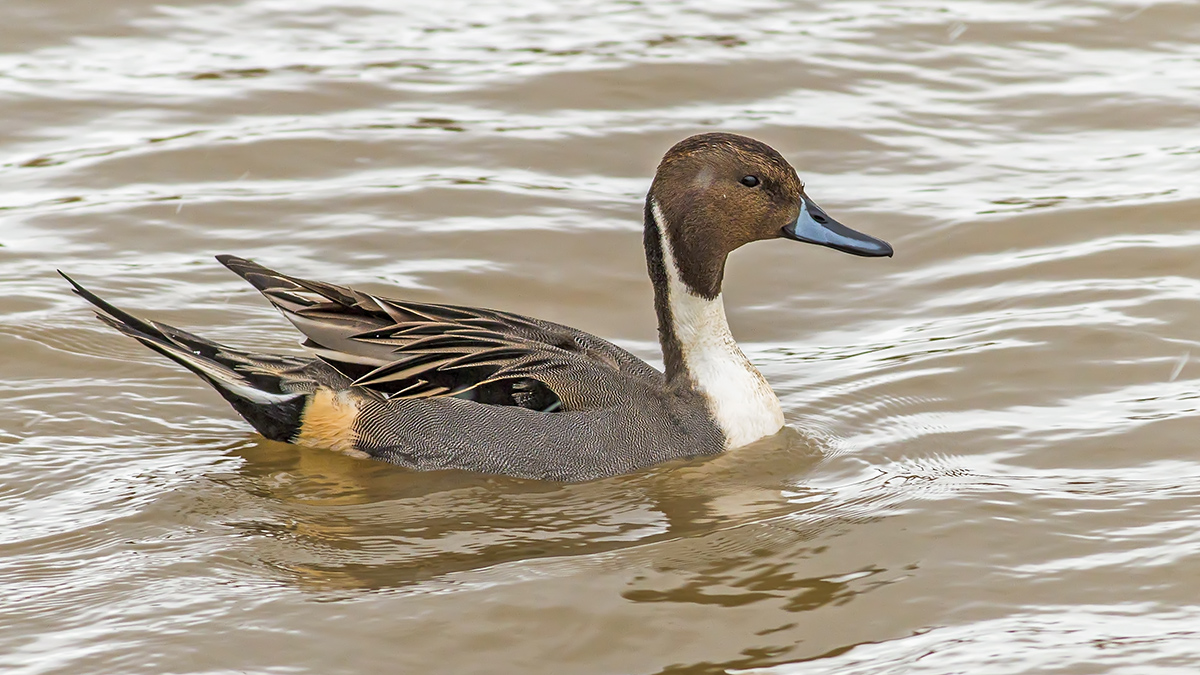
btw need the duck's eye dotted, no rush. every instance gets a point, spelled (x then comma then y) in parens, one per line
(750, 181)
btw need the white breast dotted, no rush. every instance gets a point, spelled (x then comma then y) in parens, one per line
(738, 395)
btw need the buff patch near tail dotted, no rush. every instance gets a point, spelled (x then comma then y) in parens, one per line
(328, 421)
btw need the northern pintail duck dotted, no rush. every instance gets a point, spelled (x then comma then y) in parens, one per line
(431, 386)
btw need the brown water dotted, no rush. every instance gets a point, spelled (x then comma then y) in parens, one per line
(996, 469)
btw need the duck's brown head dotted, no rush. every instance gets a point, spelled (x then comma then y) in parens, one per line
(715, 192)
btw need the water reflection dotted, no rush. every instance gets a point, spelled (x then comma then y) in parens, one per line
(334, 521)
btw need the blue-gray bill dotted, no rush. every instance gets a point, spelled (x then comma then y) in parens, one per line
(814, 226)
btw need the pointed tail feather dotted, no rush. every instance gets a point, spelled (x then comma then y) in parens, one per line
(256, 394)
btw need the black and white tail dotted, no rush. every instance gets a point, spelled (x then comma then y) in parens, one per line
(269, 391)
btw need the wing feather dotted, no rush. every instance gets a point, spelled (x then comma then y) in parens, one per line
(405, 349)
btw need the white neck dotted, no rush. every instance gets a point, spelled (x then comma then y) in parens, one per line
(737, 394)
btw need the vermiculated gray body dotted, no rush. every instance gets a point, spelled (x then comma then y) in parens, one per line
(566, 446)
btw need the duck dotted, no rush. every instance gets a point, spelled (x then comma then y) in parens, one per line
(437, 386)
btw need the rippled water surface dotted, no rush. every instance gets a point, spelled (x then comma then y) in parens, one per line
(995, 468)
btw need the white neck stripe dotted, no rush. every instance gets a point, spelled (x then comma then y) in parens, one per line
(738, 396)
